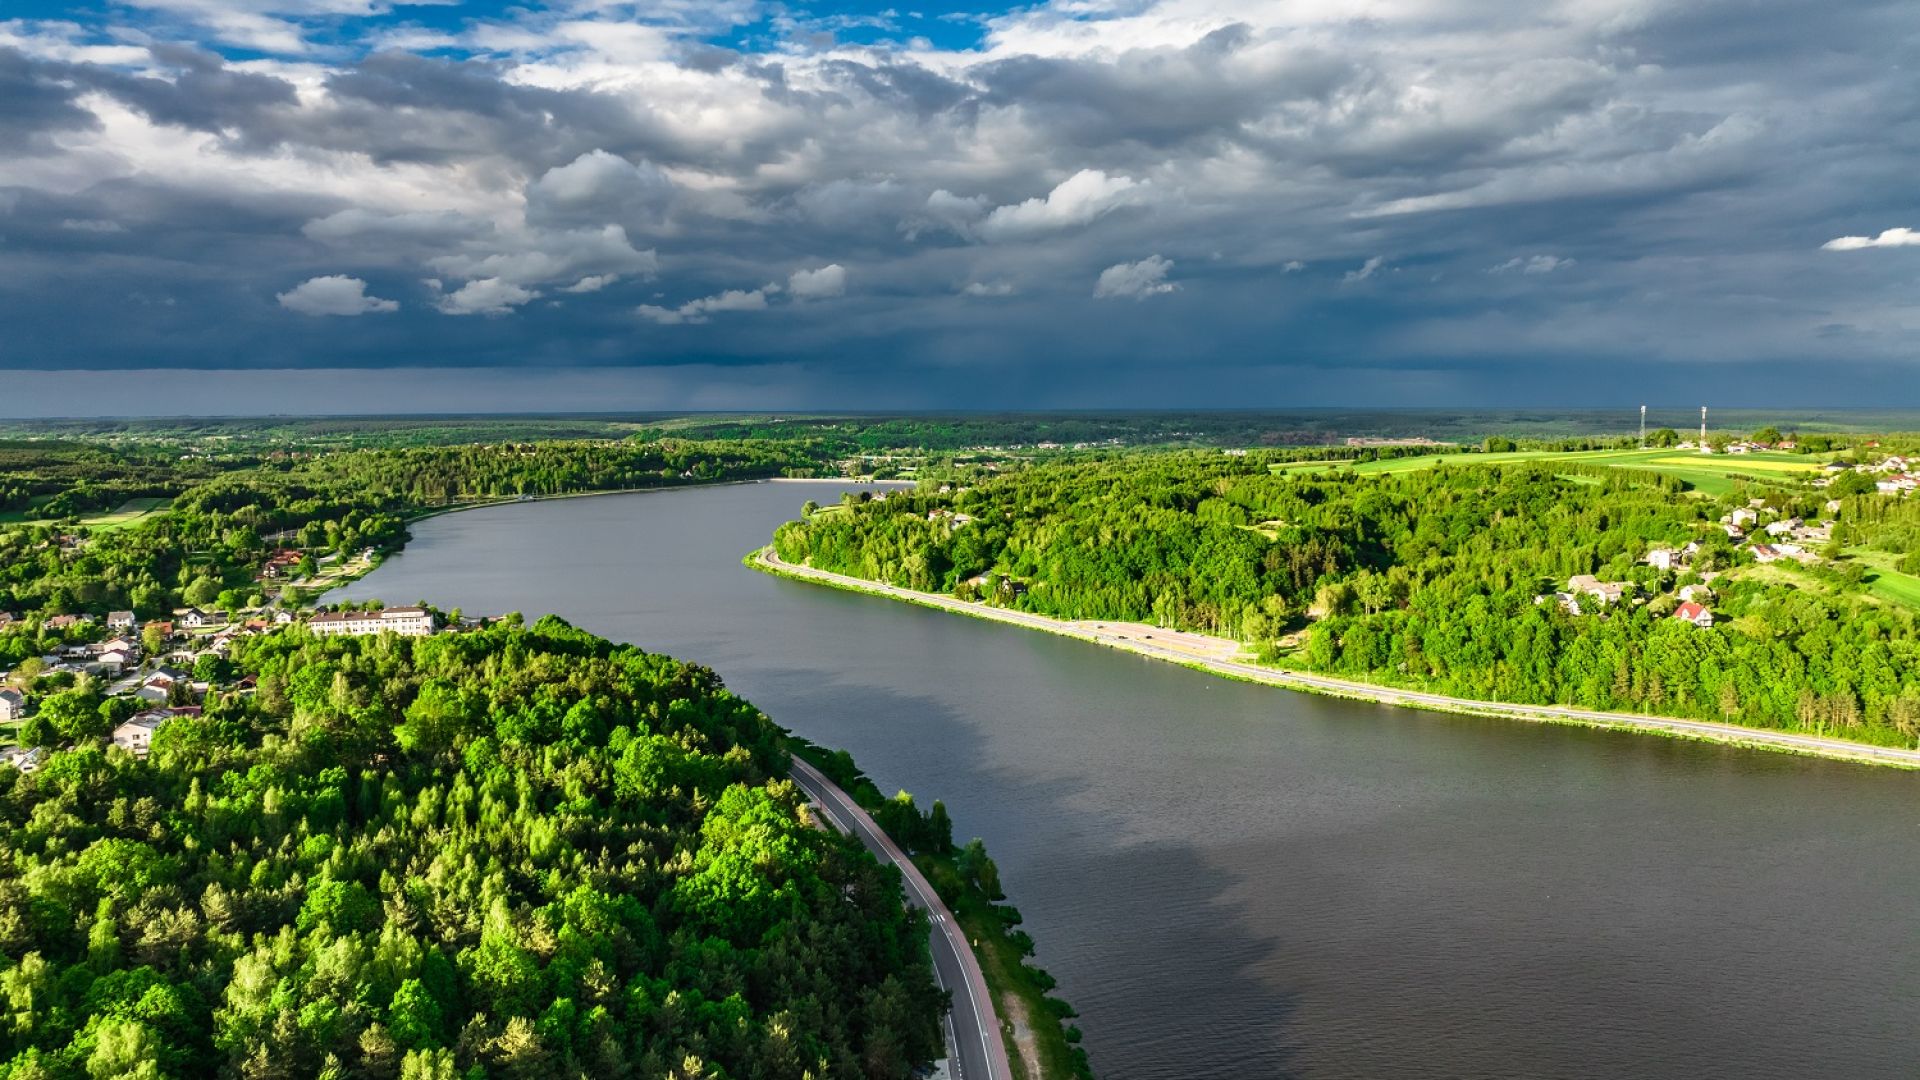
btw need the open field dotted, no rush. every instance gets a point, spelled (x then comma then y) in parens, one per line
(1713, 474)
(121, 516)
(1884, 581)
(125, 514)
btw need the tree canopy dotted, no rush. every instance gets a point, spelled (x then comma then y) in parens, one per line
(514, 852)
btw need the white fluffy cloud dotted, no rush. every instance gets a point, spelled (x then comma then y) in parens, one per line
(485, 296)
(1138, 280)
(335, 294)
(598, 186)
(1366, 270)
(1077, 200)
(699, 311)
(988, 288)
(818, 284)
(1899, 237)
(1532, 264)
(534, 257)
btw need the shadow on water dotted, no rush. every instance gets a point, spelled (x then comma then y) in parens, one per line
(1185, 936)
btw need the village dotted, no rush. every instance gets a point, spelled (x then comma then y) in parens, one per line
(168, 668)
(1761, 530)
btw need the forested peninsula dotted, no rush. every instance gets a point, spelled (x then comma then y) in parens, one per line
(1606, 580)
(516, 852)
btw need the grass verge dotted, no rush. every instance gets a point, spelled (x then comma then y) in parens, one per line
(1041, 1043)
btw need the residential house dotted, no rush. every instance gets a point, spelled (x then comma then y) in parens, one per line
(407, 622)
(1744, 516)
(136, 734)
(68, 622)
(120, 620)
(282, 616)
(1735, 532)
(24, 760)
(1694, 613)
(1666, 559)
(1698, 594)
(112, 661)
(1783, 527)
(1814, 534)
(280, 563)
(1607, 592)
(1568, 602)
(192, 618)
(166, 676)
(13, 705)
(153, 693)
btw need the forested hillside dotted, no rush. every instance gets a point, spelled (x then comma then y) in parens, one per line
(517, 852)
(1443, 578)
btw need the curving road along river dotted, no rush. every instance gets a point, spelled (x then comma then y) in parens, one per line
(974, 1035)
(1701, 729)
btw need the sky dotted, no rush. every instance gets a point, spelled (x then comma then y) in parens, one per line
(468, 205)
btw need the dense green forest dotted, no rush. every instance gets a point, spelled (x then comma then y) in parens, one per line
(1429, 578)
(518, 852)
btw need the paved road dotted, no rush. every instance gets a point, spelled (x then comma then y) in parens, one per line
(1704, 729)
(973, 1028)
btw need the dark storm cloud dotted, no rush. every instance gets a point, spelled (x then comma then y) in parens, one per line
(38, 102)
(1161, 97)
(204, 94)
(1465, 195)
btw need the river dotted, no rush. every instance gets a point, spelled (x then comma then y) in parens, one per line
(1237, 881)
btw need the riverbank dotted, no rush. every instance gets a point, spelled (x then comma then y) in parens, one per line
(1016, 998)
(1132, 641)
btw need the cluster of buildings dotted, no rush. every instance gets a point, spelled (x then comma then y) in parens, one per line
(1892, 475)
(280, 564)
(165, 692)
(1786, 537)
(1587, 593)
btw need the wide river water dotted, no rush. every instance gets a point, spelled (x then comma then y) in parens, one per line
(1239, 881)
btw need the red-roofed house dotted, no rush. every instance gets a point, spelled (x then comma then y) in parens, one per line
(1695, 614)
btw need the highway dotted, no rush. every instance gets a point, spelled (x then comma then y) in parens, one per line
(1701, 729)
(973, 1027)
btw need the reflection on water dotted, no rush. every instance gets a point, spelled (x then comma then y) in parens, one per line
(1239, 881)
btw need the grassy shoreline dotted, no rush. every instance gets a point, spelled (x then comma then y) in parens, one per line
(1373, 693)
